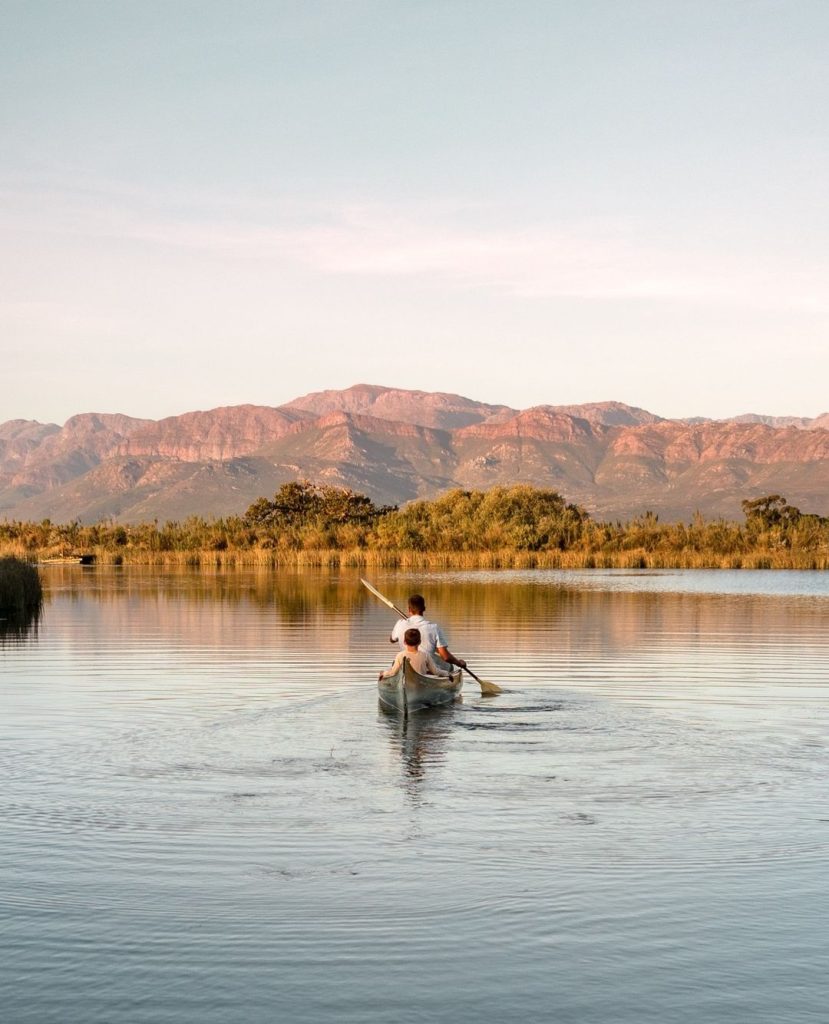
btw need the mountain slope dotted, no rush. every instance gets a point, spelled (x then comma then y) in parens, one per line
(427, 409)
(397, 445)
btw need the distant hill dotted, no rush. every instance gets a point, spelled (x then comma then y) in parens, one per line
(426, 409)
(801, 422)
(396, 445)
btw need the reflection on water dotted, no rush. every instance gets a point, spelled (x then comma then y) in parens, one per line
(420, 739)
(16, 627)
(207, 815)
(14, 630)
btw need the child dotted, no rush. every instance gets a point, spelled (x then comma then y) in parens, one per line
(420, 661)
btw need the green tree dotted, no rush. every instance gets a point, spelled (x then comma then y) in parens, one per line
(301, 504)
(769, 512)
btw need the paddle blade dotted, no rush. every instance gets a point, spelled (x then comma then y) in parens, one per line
(489, 689)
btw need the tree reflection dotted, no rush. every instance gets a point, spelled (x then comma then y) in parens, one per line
(523, 624)
(17, 628)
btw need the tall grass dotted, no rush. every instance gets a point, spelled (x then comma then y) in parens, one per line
(21, 594)
(386, 558)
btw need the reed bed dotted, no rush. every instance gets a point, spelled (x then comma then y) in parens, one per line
(503, 528)
(362, 558)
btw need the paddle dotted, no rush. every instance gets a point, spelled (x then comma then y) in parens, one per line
(385, 600)
(488, 689)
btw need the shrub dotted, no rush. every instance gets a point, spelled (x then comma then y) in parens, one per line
(21, 593)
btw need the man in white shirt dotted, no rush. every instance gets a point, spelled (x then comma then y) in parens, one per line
(432, 640)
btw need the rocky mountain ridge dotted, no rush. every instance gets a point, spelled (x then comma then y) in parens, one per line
(397, 445)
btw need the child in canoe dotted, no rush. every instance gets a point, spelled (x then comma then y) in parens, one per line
(420, 661)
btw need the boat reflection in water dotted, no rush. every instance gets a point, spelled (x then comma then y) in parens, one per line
(420, 740)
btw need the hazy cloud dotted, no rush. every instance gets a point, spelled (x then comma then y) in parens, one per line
(582, 260)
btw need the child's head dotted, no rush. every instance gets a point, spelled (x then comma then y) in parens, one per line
(412, 637)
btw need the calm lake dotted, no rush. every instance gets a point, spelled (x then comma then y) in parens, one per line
(206, 817)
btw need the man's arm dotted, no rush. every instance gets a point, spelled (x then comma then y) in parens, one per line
(448, 656)
(443, 649)
(396, 632)
(433, 670)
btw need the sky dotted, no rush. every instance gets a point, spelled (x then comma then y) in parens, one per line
(214, 203)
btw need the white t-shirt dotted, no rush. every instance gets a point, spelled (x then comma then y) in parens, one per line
(431, 636)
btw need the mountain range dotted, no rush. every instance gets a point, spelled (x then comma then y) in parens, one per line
(397, 445)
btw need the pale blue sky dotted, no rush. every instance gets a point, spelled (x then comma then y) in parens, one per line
(210, 203)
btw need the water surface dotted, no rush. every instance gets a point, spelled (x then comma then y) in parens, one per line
(206, 816)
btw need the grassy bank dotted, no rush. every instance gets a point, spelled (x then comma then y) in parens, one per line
(359, 558)
(505, 528)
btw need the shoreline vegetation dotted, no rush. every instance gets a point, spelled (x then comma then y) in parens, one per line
(21, 595)
(518, 527)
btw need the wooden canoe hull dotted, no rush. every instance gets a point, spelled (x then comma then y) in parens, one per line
(408, 690)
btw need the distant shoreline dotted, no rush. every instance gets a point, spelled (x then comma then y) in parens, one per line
(518, 527)
(332, 558)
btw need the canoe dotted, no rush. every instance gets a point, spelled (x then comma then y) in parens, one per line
(69, 560)
(408, 690)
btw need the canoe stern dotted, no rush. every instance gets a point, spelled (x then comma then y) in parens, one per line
(408, 690)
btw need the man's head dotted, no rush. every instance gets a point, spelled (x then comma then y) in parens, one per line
(412, 637)
(417, 606)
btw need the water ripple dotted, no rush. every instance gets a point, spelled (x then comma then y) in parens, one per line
(206, 813)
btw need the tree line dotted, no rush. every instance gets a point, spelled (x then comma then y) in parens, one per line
(305, 523)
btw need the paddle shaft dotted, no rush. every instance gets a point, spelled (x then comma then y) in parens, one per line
(383, 598)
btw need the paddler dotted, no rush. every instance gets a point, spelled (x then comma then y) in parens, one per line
(432, 639)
